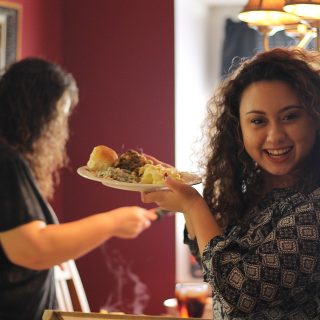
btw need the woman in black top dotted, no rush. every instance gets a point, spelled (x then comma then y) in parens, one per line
(256, 231)
(36, 100)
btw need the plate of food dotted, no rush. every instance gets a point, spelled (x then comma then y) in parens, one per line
(131, 171)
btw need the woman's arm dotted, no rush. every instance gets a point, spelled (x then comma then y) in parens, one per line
(183, 198)
(36, 245)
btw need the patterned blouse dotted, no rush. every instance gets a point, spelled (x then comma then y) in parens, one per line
(269, 266)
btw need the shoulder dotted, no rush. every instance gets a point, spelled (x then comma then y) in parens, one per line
(293, 200)
(306, 201)
(12, 163)
(302, 210)
(314, 194)
(284, 208)
(8, 154)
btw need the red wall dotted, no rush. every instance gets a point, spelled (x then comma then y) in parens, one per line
(121, 53)
(42, 28)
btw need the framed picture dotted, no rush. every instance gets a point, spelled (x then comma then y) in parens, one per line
(10, 33)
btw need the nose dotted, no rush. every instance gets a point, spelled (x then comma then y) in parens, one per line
(276, 134)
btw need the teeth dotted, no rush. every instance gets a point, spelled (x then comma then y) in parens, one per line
(278, 152)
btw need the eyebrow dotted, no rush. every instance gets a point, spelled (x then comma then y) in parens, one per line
(282, 110)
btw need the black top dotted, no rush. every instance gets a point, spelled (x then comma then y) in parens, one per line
(24, 293)
(269, 266)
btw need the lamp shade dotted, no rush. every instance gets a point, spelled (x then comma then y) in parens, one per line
(305, 9)
(267, 13)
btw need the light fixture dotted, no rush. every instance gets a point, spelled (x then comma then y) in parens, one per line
(268, 15)
(305, 9)
(308, 10)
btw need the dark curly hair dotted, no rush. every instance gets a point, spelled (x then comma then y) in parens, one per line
(31, 118)
(232, 180)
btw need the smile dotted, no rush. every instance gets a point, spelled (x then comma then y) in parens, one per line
(275, 153)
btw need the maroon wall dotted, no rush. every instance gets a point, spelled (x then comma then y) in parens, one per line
(121, 53)
(42, 28)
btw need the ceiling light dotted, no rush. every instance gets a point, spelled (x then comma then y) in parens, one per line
(304, 9)
(267, 13)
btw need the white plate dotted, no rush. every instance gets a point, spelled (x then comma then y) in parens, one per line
(189, 178)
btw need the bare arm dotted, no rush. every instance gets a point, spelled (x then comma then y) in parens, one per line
(36, 245)
(183, 198)
(202, 222)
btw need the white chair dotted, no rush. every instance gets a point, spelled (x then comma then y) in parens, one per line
(69, 289)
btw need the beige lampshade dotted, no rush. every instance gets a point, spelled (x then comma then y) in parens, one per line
(267, 13)
(304, 9)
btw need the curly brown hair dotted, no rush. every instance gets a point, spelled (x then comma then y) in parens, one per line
(32, 120)
(232, 180)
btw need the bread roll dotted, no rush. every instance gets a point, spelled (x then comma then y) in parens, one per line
(101, 158)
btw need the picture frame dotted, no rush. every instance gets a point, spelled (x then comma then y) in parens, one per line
(10, 33)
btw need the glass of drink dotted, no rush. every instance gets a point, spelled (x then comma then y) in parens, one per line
(191, 299)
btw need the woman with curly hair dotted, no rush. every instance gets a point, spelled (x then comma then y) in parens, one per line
(36, 99)
(256, 229)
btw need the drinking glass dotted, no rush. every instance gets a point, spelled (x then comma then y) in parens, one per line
(191, 299)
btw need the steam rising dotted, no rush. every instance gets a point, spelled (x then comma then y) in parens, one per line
(130, 294)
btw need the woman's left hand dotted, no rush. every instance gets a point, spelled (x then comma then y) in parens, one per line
(179, 197)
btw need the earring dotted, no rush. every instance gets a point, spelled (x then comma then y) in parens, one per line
(257, 167)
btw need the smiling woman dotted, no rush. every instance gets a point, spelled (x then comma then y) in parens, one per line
(256, 229)
(278, 134)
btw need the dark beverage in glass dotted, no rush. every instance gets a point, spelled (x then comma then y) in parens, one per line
(191, 299)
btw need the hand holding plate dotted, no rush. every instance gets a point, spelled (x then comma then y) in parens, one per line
(178, 197)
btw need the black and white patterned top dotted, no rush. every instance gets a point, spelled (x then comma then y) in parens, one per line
(269, 266)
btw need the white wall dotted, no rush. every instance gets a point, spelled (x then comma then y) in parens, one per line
(199, 34)
(191, 19)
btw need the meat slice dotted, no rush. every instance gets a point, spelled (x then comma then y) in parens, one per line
(131, 160)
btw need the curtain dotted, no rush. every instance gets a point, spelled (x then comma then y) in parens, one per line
(241, 41)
